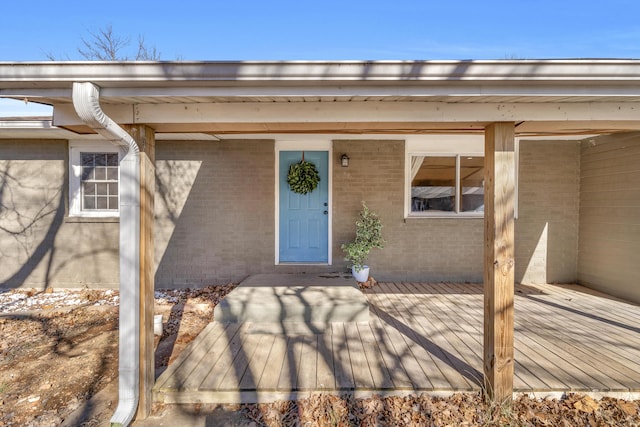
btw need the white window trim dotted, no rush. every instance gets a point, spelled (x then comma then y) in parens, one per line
(75, 175)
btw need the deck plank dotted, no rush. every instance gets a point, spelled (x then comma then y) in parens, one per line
(469, 309)
(374, 359)
(461, 346)
(289, 374)
(431, 339)
(234, 375)
(224, 356)
(258, 363)
(537, 359)
(393, 362)
(342, 362)
(542, 328)
(593, 301)
(606, 312)
(276, 361)
(361, 372)
(542, 376)
(420, 337)
(471, 325)
(325, 378)
(308, 363)
(403, 357)
(198, 364)
(412, 342)
(588, 323)
(190, 356)
(591, 355)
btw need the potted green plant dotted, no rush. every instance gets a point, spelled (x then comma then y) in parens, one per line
(368, 236)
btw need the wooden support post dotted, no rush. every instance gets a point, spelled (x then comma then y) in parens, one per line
(499, 201)
(145, 137)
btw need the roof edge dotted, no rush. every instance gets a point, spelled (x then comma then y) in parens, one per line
(565, 70)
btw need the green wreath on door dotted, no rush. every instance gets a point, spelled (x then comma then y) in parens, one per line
(303, 177)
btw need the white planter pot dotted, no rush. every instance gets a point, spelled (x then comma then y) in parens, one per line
(361, 275)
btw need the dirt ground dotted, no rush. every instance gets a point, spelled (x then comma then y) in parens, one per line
(58, 366)
(59, 348)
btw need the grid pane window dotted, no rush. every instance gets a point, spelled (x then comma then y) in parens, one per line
(99, 182)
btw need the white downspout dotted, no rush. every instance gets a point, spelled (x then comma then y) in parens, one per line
(86, 101)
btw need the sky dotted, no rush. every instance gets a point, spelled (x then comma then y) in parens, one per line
(38, 30)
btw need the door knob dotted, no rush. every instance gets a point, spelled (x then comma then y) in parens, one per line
(326, 204)
(325, 212)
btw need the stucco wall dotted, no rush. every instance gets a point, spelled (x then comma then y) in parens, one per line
(609, 249)
(546, 230)
(39, 245)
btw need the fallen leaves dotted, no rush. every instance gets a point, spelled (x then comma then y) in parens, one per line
(456, 410)
(586, 404)
(629, 408)
(370, 283)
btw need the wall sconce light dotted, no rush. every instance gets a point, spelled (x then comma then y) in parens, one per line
(344, 159)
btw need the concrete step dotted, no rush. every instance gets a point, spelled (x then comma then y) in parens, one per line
(294, 298)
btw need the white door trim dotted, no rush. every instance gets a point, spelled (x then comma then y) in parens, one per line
(300, 145)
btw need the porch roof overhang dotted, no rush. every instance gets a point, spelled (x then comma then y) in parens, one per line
(543, 97)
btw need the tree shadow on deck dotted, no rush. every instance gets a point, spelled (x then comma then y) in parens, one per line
(373, 344)
(584, 313)
(346, 357)
(473, 375)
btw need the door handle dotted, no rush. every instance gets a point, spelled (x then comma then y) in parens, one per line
(325, 212)
(326, 204)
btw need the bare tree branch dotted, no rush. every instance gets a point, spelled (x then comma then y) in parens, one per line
(104, 45)
(146, 53)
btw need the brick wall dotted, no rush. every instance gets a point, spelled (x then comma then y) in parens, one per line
(609, 249)
(547, 226)
(452, 249)
(416, 249)
(39, 245)
(214, 211)
(215, 217)
(201, 238)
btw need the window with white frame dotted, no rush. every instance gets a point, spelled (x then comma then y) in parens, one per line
(94, 179)
(445, 185)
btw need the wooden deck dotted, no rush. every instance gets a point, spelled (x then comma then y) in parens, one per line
(421, 338)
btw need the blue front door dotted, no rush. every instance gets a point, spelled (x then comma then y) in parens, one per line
(304, 219)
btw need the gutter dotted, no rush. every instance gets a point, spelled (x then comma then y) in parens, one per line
(56, 76)
(86, 101)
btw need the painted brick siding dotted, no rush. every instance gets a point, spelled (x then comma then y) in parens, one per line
(214, 211)
(39, 246)
(609, 249)
(215, 217)
(416, 249)
(452, 249)
(546, 230)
